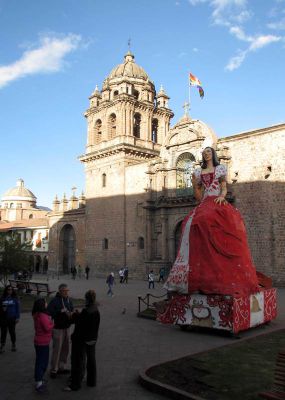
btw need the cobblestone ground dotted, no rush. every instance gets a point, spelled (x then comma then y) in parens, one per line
(126, 345)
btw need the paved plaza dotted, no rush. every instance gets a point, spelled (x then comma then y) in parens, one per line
(126, 345)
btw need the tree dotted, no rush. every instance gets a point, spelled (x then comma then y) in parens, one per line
(13, 255)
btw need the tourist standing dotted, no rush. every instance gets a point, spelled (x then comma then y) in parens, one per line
(87, 270)
(79, 270)
(9, 316)
(84, 340)
(60, 308)
(43, 331)
(110, 282)
(151, 280)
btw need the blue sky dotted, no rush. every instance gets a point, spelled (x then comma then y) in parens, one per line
(53, 53)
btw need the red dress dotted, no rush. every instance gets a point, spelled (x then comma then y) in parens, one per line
(213, 256)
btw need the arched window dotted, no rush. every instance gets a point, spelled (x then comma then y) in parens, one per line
(104, 180)
(137, 125)
(154, 130)
(184, 170)
(116, 93)
(112, 125)
(105, 244)
(31, 216)
(98, 131)
(11, 205)
(140, 243)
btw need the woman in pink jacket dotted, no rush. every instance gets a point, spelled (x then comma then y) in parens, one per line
(43, 333)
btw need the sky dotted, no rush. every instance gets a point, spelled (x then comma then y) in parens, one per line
(53, 54)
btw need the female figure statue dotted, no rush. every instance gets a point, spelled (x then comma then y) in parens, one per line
(213, 256)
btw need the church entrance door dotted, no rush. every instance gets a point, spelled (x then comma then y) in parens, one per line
(67, 248)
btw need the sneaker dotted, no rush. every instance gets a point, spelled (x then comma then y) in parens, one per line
(53, 374)
(41, 388)
(13, 347)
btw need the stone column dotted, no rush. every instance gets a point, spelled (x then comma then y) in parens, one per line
(164, 241)
(123, 118)
(148, 235)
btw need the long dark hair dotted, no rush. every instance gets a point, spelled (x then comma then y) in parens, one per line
(214, 158)
(5, 292)
(39, 306)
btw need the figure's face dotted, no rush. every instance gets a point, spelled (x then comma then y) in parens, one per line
(207, 154)
(64, 292)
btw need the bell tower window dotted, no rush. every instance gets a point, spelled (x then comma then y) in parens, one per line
(154, 130)
(112, 126)
(137, 125)
(98, 131)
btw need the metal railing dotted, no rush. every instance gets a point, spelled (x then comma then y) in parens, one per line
(147, 301)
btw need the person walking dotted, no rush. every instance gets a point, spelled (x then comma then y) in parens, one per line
(121, 275)
(60, 308)
(43, 331)
(126, 275)
(79, 270)
(110, 282)
(9, 316)
(87, 270)
(84, 340)
(161, 274)
(151, 280)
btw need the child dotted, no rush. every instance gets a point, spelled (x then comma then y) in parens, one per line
(43, 333)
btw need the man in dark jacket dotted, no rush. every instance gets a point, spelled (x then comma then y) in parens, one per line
(60, 308)
(84, 340)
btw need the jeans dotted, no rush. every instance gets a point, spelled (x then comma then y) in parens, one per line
(110, 292)
(42, 356)
(151, 283)
(8, 325)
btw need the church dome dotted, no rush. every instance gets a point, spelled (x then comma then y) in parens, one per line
(128, 69)
(19, 193)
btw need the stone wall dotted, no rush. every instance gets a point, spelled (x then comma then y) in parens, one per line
(256, 174)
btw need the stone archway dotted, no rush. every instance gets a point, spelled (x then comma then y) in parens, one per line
(177, 235)
(67, 243)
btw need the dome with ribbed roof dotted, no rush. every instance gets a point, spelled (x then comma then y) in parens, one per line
(128, 69)
(20, 192)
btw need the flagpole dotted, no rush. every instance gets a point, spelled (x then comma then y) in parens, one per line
(189, 98)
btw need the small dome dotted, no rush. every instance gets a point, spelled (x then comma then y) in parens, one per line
(19, 193)
(128, 69)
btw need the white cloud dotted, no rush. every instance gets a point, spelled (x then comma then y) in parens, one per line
(48, 57)
(236, 61)
(195, 49)
(279, 25)
(256, 43)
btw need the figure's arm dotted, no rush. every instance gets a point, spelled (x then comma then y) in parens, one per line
(221, 199)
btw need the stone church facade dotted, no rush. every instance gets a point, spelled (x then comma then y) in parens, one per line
(138, 187)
